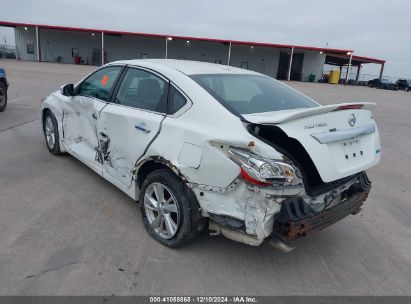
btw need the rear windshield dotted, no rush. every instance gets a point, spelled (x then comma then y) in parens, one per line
(246, 94)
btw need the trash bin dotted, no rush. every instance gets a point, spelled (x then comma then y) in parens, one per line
(334, 76)
(311, 78)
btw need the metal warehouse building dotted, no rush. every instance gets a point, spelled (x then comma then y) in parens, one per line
(95, 47)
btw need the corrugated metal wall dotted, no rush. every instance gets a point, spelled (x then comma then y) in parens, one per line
(260, 59)
(23, 38)
(313, 64)
(57, 45)
(121, 47)
(198, 50)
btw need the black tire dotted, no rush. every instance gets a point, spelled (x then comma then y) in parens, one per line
(3, 96)
(190, 221)
(55, 147)
(407, 89)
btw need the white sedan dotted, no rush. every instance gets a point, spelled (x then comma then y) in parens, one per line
(198, 143)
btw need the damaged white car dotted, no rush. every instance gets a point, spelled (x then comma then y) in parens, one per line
(198, 143)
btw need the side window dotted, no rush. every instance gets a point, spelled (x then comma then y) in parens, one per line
(143, 90)
(99, 84)
(176, 100)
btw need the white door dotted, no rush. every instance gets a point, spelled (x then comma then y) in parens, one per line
(131, 122)
(82, 112)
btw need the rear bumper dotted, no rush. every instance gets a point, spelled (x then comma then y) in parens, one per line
(299, 220)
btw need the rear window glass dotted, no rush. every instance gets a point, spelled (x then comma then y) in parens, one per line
(176, 100)
(246, 94)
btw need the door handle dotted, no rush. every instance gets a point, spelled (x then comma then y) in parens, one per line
(94, 116)
(142, 127)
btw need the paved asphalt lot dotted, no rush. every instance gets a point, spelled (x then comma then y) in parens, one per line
(66, 231)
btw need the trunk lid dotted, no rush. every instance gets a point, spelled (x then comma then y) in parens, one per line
(341, 139)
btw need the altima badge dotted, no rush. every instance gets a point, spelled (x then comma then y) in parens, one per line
(352, 120)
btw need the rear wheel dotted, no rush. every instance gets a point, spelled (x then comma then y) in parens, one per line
(407, 89)
(51, 133)
(169, 209)
(3, 96)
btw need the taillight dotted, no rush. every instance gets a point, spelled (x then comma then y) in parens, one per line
(349, 107)
(261, 171)
(245, 176)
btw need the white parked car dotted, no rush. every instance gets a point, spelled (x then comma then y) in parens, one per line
(198, 143)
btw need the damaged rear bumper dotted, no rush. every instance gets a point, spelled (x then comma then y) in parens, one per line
(287, 217)
(296, 219)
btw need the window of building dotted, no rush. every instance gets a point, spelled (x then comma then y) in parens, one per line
(244, 65)
(30, 48)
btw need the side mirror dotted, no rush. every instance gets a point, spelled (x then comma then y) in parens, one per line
(68, 90)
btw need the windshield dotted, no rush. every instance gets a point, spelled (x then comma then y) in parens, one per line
(246, 94)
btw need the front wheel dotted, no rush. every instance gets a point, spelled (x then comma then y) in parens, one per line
(51, 133)
(407, 89)
(169, 209)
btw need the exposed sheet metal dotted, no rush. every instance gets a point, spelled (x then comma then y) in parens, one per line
(234, 234)
(259, 214)
(291, 230)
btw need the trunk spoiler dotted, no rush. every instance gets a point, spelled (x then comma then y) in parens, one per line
(277, 117)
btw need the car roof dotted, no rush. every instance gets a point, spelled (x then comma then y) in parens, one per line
(188, 67)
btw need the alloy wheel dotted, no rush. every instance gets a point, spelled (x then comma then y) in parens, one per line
(49, 130)
(161, 209)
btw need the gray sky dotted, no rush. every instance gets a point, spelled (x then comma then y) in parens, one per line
(373, 28)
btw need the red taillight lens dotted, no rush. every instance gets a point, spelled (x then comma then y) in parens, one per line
(245, 176)
(349, 107)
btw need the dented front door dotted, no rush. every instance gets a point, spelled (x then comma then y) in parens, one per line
(80, 135)
(82, 112)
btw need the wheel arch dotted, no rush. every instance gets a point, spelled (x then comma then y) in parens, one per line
(44, 111)
(152, 163)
